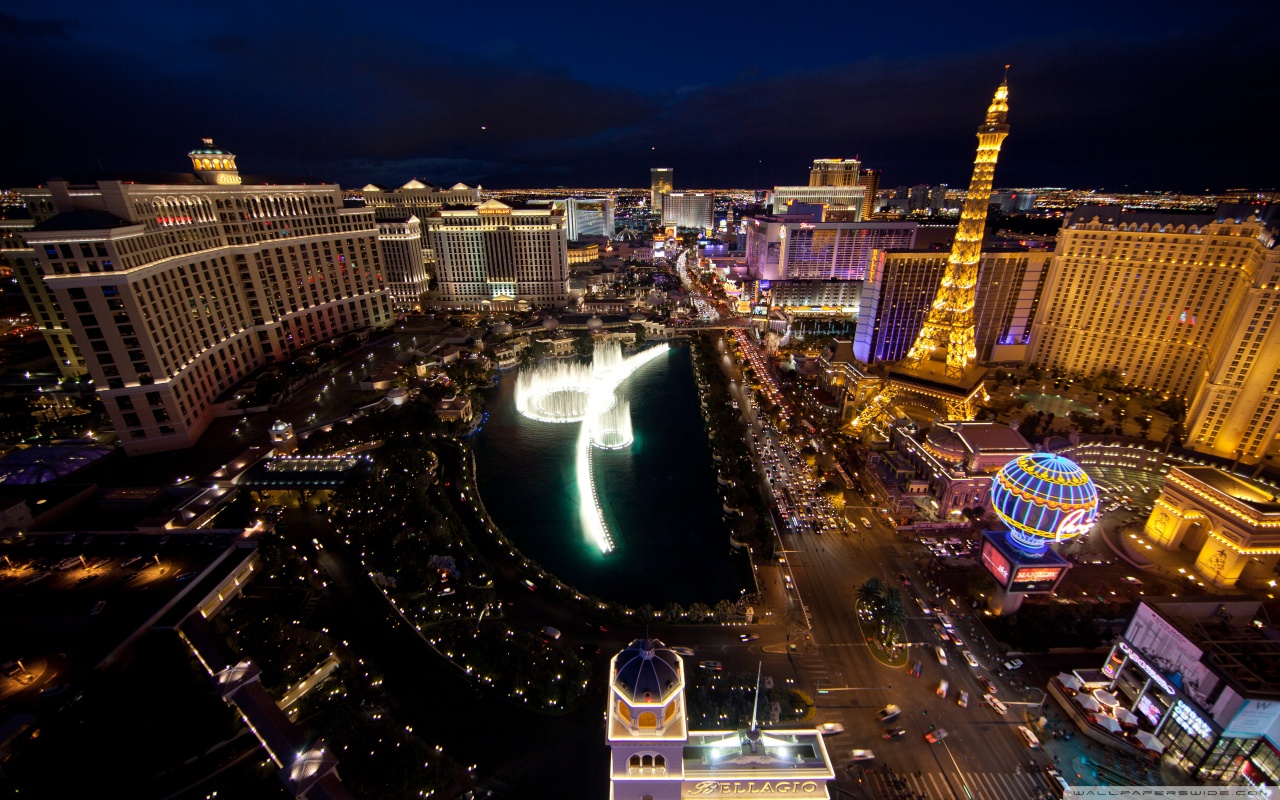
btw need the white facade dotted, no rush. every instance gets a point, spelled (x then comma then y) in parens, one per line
(406, 272)
(591, 216)
(834, 198)
(499, 256)
(654, 755)
(689, 210)
(175, 292)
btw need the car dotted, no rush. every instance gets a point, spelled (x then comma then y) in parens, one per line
(1059, 783)
(186, 576)
(97, 608)
(905, 580)
(916, 668)
(550, 632)
(1014, 664)
(861, 755)
(894, 733)
(714, 666)
(946, 621)
(943, 686)
(683, 651)
(969, 658)
(831, 728)
(889, 712)
(866, 523)
(1028, 737)
(986, 683)
(942, 654)
(528, 584)
(11, 669)
(996, 705)
(963, 699)
(749, 637)
(956, 640)
(935, 736)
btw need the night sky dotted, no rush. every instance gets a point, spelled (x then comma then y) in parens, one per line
(1145, 95)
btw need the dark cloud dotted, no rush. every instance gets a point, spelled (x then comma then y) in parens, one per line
(1158, 107)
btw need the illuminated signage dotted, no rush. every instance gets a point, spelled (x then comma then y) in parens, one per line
(764, 285)
(996, 563)
(1113, 665)
(1190, 720)
(1077, 522)
(1147, 668)
(1035, 575)
(1150, 709)
(752, 788)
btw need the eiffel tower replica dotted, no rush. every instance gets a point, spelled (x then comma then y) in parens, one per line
(940, 372)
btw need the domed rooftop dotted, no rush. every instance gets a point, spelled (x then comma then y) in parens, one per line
(637, 317)
(206, 148)
(1046, 496)
(550, 323)
(646, 671)
(501, 329)
(595, 323)
(944, 442)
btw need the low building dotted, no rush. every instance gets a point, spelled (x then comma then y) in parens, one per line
(949, 471)
(583, 253)
(1194, 679)
(454, 409)
(654, 755)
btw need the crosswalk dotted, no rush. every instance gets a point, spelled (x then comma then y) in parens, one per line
(952, 786)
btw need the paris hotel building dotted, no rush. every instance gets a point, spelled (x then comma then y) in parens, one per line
(1183, 304)
(177, 286)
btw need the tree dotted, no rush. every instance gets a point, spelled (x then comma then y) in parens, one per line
(870, 592)
(584, 344)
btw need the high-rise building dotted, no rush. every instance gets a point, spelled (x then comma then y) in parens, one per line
(781, 249)
(500, 256)
(20, 258)
(590, 216)
(834, 172)
(177, 289)
(1150, 296)
(870, 180)
(661, 184)
(900, 288)
(1178, 303)
(419, 199)
(846, 199)
(689, 210)
(405, 272)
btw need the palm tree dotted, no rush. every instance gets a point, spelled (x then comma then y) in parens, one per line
(870, 592)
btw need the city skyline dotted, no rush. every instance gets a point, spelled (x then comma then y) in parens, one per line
(517, 115)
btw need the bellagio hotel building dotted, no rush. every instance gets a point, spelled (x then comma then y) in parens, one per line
(1183, 304)
(178, 286)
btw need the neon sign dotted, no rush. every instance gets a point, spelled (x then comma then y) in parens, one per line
(1191, 721)
(996, 563)
(1147, 668)
(752, 788)
(1037, 575)
(1073, 524)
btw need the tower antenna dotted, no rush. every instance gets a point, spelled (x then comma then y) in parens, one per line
(755, 707)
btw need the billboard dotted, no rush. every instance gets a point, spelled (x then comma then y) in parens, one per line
(996, 563)
(1150, 709)
(1034, 579)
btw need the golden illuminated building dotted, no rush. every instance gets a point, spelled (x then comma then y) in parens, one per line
(1232, 524)
(939, 372)
(1182, 304)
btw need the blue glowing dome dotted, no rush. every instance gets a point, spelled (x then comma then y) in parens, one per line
(1044, 497)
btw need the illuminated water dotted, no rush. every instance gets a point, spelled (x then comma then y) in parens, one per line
(659, 495)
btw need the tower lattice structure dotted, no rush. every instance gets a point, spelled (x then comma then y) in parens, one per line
(952, 386)
(950, 321)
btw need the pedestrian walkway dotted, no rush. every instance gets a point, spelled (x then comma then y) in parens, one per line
(937, 786)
